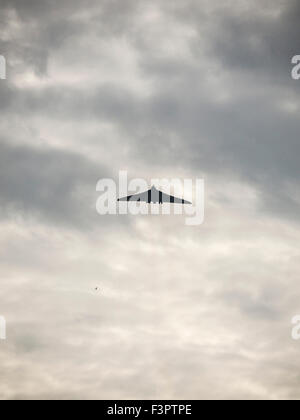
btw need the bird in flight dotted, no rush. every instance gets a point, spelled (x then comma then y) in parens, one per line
(154, 196)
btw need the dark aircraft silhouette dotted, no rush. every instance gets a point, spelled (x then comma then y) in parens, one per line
(154, 196)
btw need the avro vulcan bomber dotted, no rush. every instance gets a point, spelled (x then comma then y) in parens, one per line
(154, 196)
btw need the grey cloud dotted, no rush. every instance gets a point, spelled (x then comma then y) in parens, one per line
(266, 43)
(247, 138)
(50, 184)
(244, 36)
(251, 140)
(47, 25)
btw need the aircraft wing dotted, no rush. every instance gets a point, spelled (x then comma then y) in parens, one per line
(142, 197)
(165, 198)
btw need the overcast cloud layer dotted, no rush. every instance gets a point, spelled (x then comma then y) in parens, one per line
(202, 89)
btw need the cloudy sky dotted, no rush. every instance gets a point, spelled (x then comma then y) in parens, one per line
(194, 88)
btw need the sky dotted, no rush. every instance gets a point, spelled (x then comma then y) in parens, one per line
(198, 89)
